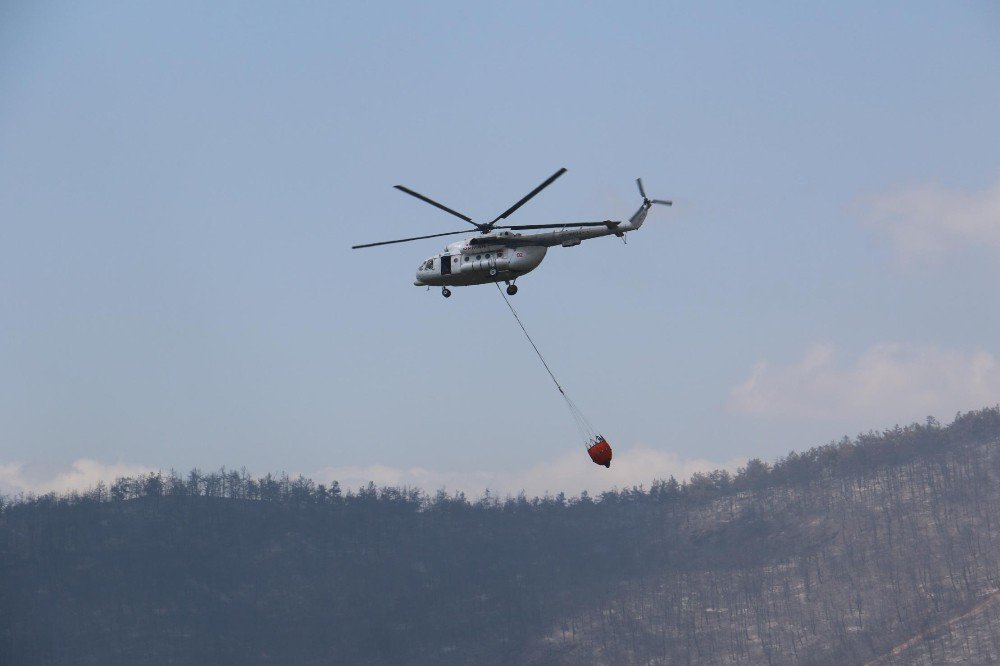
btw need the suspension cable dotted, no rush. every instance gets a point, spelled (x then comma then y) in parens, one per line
(582, 424)
(533, 345)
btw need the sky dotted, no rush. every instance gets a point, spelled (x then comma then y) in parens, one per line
(180, 185)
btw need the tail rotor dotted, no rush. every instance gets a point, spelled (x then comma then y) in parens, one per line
(639, 216)
(646, 201)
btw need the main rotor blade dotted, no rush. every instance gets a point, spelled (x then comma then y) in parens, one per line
(527, 197)
(664, 202)
(437, 205)
(406, 240)
(606, 223)
(638, 181)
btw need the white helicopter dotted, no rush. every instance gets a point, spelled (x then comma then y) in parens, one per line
(499, 253)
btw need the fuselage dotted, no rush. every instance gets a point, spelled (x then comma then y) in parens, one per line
(505, 256)
(479, 260)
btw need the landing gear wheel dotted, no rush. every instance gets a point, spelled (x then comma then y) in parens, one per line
(511, 289)
(446, 292)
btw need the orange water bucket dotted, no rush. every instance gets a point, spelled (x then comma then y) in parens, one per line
(600, 451)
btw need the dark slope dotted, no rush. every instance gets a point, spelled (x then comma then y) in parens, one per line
(840, 554)
(852, 568)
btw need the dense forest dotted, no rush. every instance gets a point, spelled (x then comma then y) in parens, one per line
(881, 549)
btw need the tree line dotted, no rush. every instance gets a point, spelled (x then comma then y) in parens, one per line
(865, 452)
(837, 554)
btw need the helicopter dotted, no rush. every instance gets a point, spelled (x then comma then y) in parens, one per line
(499, 253)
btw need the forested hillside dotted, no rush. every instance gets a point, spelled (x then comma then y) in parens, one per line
(884, 548)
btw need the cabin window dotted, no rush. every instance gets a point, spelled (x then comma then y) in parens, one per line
(478, 257)
(487, 255)
(466, 257)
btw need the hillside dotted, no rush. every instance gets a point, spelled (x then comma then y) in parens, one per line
(884, 548)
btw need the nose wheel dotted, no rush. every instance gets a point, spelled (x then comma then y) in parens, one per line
(511, 289)
(446, 292)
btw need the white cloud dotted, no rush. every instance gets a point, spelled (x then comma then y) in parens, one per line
(927, 221)
(888, 383)
(83, 474)
(572, 472)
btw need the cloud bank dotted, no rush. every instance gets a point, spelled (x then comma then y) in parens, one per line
(83, 474)
(893, 383)
(926, 222)
(571, 472)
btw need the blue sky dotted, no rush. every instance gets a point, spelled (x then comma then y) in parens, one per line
(181, 184)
